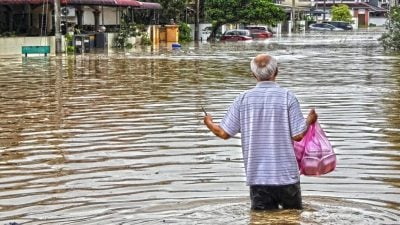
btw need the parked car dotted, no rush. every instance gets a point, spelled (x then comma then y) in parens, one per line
(323, 27)
(259, 32)
(236, 35)
(340, 24)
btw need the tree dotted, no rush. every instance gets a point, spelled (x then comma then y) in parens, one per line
(341, 12)
(172, 9)
(222, 12)
(391, 39)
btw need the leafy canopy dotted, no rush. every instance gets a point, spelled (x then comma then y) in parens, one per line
(244, 11)
(341, 12)
(171, 9)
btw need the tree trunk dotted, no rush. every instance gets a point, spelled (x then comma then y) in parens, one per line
(214, 31)
(197, 22)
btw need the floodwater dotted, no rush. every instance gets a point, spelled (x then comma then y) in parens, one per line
(118, 138)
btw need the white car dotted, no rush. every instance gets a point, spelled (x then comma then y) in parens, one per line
(324, 26)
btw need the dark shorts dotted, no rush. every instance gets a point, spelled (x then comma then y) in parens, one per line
(265, 197)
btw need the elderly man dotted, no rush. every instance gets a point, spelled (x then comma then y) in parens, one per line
(269, 120)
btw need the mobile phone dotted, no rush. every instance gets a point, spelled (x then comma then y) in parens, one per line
(205, 113)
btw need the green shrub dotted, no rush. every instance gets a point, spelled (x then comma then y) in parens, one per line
(9, 34)
(70, 48)
(341, 12)
(184, 32)
(145, 40)
(126, 31)
(391, 39)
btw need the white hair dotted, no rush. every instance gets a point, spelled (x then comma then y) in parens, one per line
(266, 72)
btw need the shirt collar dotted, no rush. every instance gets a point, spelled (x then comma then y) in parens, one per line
(266, 84)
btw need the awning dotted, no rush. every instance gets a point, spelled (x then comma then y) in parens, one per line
(62, 2)
(128, 3)
(351, 5)
(150, 5)
(87, 2)
(21, 2)
(318, 11)
(377, 9)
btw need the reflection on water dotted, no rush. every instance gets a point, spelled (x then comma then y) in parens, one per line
(118, 138)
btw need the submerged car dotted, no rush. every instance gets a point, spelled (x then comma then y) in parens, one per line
(340, 24)
(236, 35)
(323, 27)
(259, 32)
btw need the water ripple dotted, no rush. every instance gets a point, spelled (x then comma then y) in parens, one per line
(119, 139)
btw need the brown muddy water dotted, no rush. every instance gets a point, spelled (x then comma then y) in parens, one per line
(118, 138)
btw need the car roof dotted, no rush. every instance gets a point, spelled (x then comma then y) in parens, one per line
(256, 27)
(335, 22)
(237, 30)
(322, 24)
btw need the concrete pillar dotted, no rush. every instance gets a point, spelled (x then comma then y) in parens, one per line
(96, 14)
(28, 20)
(79, 16)
(10, 20)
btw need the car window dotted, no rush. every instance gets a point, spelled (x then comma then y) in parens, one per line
(230, 33)
(256, 28)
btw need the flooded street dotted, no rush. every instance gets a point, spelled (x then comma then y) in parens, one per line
(118, 138)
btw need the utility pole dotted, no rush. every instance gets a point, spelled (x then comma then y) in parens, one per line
(197, 22)
(57, 25)
(323, 16)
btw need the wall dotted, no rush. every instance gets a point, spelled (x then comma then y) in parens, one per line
(111, 16)
(378, 21)
(297, 3)
(13, 45)
(204, 31)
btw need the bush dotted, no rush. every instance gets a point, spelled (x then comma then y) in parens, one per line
(70, 49)
(126, 31)
(8, 34)
(341, 13)
(145, 40)
(391, 39)
(184, 32)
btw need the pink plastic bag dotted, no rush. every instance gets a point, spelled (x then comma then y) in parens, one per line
(314, 153)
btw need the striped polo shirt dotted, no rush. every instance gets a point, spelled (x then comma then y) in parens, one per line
(267, 117)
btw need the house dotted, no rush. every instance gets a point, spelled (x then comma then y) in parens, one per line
(364, 12)
(34, 22)
(296, 10)
(35, 17)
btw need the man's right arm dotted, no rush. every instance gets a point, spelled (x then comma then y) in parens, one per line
(311, 118)
(215, 128)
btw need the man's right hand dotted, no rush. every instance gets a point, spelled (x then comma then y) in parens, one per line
(215, 128)
(312, 117)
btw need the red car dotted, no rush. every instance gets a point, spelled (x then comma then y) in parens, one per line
(259, 32)
(236, 35)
